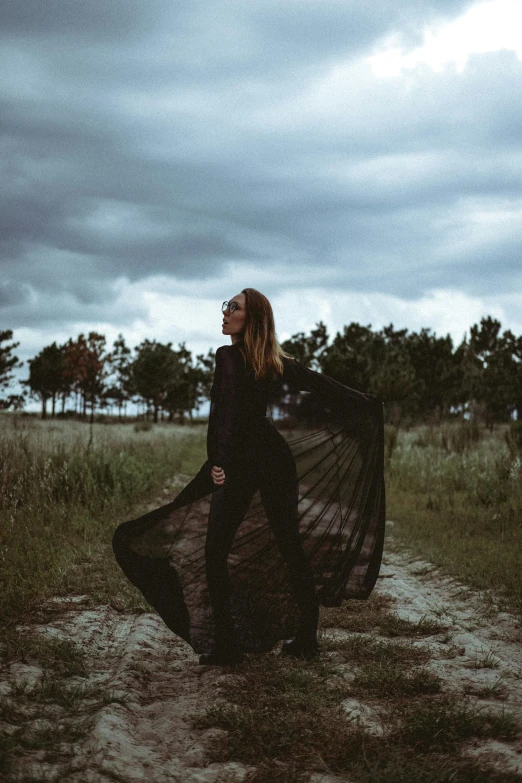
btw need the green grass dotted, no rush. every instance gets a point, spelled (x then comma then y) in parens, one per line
(361, 649)
(64, 489)
(60, 656)
(445, 724)
(62, 495)
(286, 719)
(391, 680)
(460, 508)
(456, 499)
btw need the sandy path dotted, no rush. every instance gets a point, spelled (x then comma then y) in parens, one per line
(479, 653)
(154, 687)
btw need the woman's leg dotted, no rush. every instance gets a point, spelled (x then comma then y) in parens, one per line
(227, 509)
(280, 495)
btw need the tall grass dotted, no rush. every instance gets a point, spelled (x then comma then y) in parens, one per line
(455, 493)
(63, 489)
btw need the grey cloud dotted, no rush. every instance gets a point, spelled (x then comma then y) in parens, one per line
(53, 309)
(82, 18)
(203, 42)
(188, 141)
(13, 294)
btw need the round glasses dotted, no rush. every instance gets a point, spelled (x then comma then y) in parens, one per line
(231, 306)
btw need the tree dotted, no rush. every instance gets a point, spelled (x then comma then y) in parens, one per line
(87, 362)
(49, 375)
(395, 381)
(501, 378)
(121, 368)
(205, 367)
(308, 349)
(352, 356)
(191, 383)
(8, 363)
(490, 358)
(154, 371)
(435, 369)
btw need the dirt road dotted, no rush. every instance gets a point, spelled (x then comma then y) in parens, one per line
(129, 715)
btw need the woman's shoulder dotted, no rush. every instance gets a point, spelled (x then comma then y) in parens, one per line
(229, 357)
(229, 348)
(230, 351)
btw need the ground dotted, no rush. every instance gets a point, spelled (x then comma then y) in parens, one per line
(125, 707)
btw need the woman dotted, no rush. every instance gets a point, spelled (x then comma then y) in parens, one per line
(252, 583)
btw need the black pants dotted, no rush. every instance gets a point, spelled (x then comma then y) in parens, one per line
(272, 471)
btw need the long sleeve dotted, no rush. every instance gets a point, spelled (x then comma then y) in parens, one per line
(336, 393)
(223, 408)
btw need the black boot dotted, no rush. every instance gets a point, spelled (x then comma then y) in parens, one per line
(303, 647)
(226, 650)
(221, 657)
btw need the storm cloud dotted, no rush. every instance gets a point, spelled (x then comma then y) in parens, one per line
(148, 141)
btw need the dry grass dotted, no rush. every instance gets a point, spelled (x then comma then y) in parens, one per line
(456, 500)
(62, 493)
(287, 718)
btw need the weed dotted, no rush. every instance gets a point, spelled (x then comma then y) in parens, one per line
(377, 619)
(374, 615)
(444, 724)
(486, 660)
(71, 696)
(62, 656)
(57, 499)
(391, 680)
(284, 720)
(47, 735)
(459, 506)
(364, 649)
(496, 689)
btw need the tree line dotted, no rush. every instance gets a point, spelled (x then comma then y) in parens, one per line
(419, 374)
(90, 376)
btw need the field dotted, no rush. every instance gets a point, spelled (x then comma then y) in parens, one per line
(65, 487)
(456, 493)
(422, 683)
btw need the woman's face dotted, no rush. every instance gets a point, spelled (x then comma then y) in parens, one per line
(234, 322)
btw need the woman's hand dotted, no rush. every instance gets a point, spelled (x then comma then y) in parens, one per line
(218, 475)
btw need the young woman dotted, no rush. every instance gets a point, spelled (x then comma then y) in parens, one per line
(252, 583)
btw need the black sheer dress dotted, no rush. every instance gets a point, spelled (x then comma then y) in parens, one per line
(299, 521)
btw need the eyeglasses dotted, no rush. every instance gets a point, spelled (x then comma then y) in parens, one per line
(231, 306)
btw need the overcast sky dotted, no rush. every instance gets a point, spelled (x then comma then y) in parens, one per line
(356, 160)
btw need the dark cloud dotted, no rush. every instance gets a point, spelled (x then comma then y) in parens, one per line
(13, 294)
(142, 139)
(84, 19)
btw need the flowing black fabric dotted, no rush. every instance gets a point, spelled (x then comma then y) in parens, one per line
(302, 509)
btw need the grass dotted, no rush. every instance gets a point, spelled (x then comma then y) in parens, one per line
(59, 656)
(47, 717)
(287, 718)
(486, 660)
(392, 680)
(445, 724)
(63, 489)
(375, 615)
(359, 649)
(456, 500)
(62, 494)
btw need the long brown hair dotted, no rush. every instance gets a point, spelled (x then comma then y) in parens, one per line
(260, 347)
